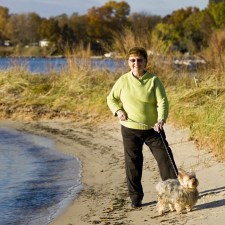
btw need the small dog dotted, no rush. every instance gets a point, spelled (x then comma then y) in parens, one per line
(178, 194)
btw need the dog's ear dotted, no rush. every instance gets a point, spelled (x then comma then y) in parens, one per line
(181, 173)
(192, 174)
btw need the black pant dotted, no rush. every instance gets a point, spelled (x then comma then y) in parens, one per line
(133, 141)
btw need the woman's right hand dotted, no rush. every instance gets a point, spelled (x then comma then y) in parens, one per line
(121, 115)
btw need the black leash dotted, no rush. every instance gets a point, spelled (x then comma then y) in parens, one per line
(173, 165)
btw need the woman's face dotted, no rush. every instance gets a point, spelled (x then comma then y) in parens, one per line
(137, 64)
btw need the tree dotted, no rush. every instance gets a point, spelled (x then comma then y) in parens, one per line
(67, 35)
(79, 26)
(217, 11)
(24, 28)
(197, 30)
(178, 17)
(182, 29)
(33, 22)
(216, 1)
(142, 23)
(105, 20)
(165, 36)
(4, 16)
(49, 29)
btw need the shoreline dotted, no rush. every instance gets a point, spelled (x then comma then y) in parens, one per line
(104, 198)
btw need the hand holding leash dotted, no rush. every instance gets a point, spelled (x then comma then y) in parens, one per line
(121, 115)
(159, 126)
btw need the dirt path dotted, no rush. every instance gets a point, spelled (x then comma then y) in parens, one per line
(104, 199)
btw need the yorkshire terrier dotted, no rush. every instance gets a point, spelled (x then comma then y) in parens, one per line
(178, 194)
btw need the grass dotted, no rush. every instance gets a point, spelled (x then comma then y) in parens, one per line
(79, 94)
(201, 108)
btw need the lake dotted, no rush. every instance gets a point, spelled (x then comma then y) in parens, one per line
(44, 65)
(36, 181)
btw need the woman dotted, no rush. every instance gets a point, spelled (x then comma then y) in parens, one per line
(139, 101)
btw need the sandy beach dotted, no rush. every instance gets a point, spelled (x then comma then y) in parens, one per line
(104, 199)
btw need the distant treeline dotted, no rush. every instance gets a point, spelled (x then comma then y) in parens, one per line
(106, 28)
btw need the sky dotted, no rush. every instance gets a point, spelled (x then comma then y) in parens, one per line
(51, 8)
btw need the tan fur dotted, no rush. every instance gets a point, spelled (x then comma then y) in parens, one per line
(178, 194)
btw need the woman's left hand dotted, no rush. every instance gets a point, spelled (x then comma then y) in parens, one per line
(159, 126)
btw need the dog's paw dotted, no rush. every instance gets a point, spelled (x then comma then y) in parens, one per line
(188, 209)
(160, 213)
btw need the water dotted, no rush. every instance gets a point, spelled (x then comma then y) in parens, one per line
(44, 65)
(36, 181)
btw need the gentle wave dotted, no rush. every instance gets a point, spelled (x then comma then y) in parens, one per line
(36, 181)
